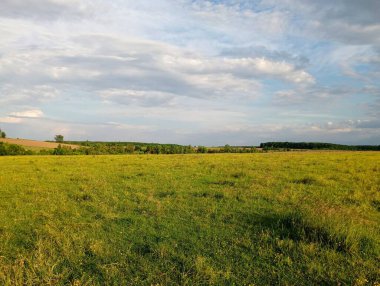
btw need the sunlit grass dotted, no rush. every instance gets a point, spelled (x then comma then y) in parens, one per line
(219, 219)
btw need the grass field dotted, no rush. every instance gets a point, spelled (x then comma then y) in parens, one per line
(310, 218)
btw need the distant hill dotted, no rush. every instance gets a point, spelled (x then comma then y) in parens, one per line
(32, 144)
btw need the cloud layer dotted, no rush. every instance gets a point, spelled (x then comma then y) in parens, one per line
(191, 72)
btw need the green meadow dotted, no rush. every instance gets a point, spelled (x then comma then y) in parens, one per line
(292, 218)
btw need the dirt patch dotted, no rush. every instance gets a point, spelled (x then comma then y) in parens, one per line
(33, 143)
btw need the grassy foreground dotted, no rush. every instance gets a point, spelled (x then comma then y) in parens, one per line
(310, 218)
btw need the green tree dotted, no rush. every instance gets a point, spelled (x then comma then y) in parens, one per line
(58, 138)
(202, 149)
(227, 148)
(2, 134)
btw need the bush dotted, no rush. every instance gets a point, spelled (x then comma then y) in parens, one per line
(63, 150)
(12, 149)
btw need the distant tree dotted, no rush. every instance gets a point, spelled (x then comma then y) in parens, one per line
(227, 148)
(202, 149)
(2, 134)
(58, 138)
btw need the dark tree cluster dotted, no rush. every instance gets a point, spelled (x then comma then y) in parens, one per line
(317, 146)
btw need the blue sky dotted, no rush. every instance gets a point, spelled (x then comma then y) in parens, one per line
(191, 72)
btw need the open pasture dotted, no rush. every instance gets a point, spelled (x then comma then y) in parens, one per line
(310, 218)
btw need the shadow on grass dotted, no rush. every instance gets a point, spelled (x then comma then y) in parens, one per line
(376, 205)
(213, 195)
(293, 226)
(223, 183)
(306, 181)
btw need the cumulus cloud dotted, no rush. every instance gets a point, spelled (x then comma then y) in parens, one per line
(19, 116)
(242, 67)
(144, 66)
(358, 126)
(34, 113)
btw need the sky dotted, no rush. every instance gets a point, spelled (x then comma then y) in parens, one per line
(191, 72)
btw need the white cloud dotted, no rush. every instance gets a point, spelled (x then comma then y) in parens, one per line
(240, 67)
(136, 97)
(33, 113)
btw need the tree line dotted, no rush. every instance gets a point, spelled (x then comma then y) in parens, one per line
(109, 148)
(317, 146)
(100, 148)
